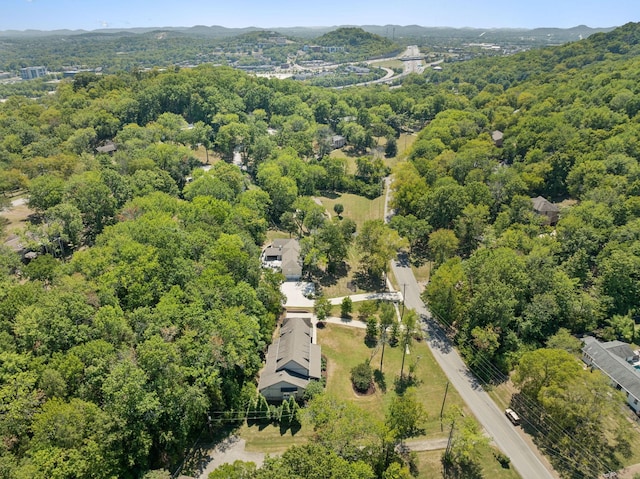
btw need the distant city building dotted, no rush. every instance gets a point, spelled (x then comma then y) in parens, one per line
(30, 73)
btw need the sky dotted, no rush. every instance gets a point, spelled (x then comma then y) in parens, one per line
(95, 14)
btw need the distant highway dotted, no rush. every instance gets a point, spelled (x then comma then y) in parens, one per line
(412, 62)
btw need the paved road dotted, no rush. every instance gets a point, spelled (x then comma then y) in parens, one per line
(506, 437)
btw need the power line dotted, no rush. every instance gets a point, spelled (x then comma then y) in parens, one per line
(526, 403)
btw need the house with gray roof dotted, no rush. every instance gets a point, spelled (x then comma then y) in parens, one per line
(293, 360)
(338, 141)
(284, 254)
(619, 363)
(544, 207)
(498, 137)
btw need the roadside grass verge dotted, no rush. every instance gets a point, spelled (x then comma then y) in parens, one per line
(430, 465)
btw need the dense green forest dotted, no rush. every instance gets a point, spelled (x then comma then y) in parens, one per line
(149, 309)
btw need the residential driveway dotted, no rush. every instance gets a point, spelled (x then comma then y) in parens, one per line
(294, 290)
(227, 452)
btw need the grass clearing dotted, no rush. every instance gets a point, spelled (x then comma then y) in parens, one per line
(389, 64)
(202, 154)
(344, 348)
(422, 272)
(358, 208)
(350, 159)
(339, 288)
(430, 465)
(15, 218)
(405, 142)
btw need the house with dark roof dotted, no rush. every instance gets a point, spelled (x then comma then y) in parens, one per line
(619, 363)
(109, 147)
(544, 207)
(284, 254)
(293, 360)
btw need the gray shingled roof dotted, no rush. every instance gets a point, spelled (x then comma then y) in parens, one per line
(293, 346)
(282, 246)
(541, 204)
(613, 366)
(295, 342)
(620, 349)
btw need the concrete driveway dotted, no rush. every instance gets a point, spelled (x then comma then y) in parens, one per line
(227, 452)
(294, 291)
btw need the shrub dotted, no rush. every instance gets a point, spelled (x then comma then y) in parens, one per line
(503, 459)
(362, 377)
(346, 307)
(314, 388)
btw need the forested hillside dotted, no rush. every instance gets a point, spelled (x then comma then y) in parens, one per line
(147, 309)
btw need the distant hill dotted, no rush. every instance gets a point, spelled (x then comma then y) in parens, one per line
(352, 36)
(395, 32)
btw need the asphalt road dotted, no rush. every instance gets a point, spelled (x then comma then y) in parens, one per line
(495, 423)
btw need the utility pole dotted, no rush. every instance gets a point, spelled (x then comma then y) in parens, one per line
(447, 451)
(446, 390)
(383, 340)
(404, 291)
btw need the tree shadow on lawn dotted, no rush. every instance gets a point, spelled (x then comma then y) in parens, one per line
(369, 282)
(294, 427)
(380, 380)
(407, 381)
(332, 195)
(326, 278)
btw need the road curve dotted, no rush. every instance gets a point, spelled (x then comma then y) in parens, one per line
(503, 433)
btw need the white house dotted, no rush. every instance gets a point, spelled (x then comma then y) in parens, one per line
(292, 361)
(617, 361)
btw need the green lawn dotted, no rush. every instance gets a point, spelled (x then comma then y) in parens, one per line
(344, 348)
(358, 208)
(389, 64)
(430, 465)
(270, 438)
